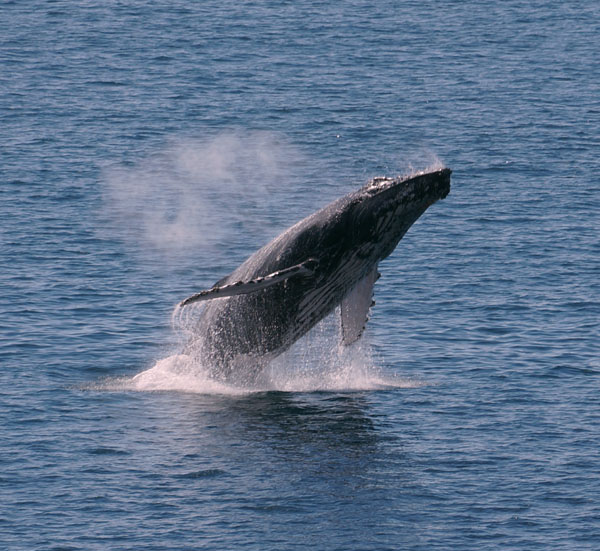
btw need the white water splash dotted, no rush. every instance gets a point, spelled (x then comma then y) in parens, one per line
(315, 363)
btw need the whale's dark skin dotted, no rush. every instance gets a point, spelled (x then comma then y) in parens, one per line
(330, 258)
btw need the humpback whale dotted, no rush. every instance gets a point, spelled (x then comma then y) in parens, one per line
(329, 259)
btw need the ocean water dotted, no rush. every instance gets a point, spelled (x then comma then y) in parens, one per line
(147, 148)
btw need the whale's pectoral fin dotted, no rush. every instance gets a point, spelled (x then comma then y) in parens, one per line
(305, 268)
(355, 308)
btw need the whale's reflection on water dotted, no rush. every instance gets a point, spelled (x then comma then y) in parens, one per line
(312, 444)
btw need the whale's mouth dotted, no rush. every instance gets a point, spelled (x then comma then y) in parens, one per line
(434, 185)
(444, 175)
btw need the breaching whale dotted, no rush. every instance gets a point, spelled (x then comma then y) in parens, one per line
(329, 259)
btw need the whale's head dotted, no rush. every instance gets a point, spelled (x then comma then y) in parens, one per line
(386, 208)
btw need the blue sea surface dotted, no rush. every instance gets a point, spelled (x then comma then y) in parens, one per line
(147, 148)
